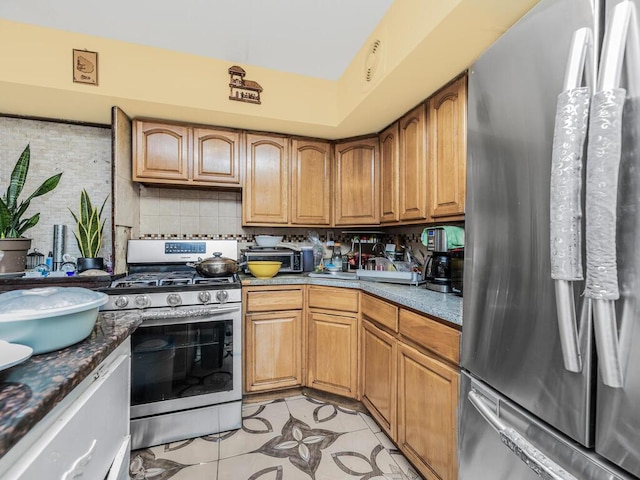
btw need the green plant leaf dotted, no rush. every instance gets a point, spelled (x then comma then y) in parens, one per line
(83, 240)
(18, 177)
(90, 228)
(85, 207)
(5, 218)
(46, 186)
(11, 212)
(27, 224)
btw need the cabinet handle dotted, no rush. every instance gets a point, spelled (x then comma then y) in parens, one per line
(77, 469)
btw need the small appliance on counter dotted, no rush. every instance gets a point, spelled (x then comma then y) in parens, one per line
(446, 244)
(291, 259)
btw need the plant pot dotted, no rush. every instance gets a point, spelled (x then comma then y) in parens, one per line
(90, 263)
(15, 254)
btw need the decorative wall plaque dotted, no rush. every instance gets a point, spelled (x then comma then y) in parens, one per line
(85, 67)
(243, 90)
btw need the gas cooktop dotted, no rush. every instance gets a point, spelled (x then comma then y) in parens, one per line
(170, 279)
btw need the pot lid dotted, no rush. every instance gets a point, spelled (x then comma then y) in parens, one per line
(52, 301)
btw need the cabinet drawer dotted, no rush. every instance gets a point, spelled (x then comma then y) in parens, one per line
(329, 298)
(380, 312)
(432, 335)
(85, 439)
(269, 300)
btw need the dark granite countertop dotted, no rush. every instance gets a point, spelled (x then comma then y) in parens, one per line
(445, 306)
(13, 282)
(28, 391)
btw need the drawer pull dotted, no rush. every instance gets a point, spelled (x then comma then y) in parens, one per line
(77, 469)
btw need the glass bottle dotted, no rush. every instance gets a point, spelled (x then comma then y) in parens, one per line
(336, 258)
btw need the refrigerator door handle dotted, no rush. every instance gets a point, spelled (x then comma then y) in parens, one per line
(570, 132)
(603, 164)
(537, 461)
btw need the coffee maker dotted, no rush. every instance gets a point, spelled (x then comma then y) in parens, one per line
(438, 268)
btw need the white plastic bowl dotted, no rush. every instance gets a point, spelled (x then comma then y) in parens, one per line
(268, 240)
(48, 319)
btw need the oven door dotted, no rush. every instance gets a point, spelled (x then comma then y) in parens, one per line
(186, 357)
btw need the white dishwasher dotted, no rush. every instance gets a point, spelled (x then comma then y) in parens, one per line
(86, 436)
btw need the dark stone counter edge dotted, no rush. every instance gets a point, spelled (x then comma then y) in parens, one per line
(15, 426)
(447, 308)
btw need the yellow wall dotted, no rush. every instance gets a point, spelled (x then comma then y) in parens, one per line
(426, 43)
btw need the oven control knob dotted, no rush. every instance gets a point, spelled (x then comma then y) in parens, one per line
(121, 301)
(142, 301)
(174, 299)
(204, 297)
(222, 296)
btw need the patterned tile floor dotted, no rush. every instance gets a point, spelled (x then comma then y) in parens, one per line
(294, 438)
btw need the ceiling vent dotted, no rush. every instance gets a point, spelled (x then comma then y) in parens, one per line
(373, 63)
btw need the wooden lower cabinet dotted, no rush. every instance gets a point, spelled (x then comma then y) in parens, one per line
(273, 353)
(333, 353)
(379, 380)
(427, 406)
(274, 350)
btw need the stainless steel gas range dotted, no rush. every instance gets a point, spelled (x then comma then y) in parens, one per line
(186, 355)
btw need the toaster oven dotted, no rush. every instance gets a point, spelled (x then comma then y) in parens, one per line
(291, 259)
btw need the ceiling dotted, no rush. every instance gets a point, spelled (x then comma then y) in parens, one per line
(316, 38)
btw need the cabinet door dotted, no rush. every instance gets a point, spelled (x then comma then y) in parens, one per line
(216, 157)
(427, 405)
(333, 353)
(389, 170)
(310, 183)
(273, 344)
(161, 152)
(448, 150)
(356, 187)
(265, 197)
(413, 165)
(379, 381)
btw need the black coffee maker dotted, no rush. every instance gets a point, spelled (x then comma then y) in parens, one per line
(438, 268)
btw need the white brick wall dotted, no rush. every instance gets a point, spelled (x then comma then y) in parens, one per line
(82, 153)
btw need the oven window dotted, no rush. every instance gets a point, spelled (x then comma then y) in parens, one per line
(177, 361)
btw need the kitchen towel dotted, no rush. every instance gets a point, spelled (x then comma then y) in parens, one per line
(569, 136)
(455, 236)
(603, 164)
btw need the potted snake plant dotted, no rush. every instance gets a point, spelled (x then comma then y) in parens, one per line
(88, 234)
(13, 245)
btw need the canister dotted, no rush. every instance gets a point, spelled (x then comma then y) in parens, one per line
(307, 258)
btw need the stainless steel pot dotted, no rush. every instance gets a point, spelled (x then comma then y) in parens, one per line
(216, 266)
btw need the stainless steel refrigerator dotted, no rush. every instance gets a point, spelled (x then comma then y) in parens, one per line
(551, 334)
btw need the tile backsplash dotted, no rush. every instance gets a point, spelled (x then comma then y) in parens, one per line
(184, 212)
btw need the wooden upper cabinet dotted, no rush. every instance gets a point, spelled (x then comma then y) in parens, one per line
(389, 170)
(310, 182)
(448, 151)
(413, 165)
(161, 151)
(357, 182)
(216, 156)
(265, 197)
(185, 155)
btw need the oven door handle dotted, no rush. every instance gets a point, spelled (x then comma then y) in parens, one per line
(173, 316)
